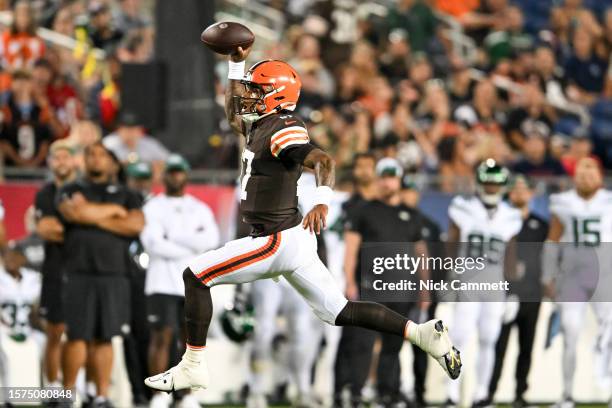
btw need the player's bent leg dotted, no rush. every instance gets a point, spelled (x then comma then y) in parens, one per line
(316, 284)
(191, 371)
(238, 261)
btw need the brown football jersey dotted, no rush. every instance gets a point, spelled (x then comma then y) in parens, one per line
(276, 146)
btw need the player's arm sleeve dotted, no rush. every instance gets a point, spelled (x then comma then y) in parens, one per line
(205, 236)
(291, 143)
(155, 240)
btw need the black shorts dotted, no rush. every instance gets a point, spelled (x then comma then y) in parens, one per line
(165, 311)
(51, 299)
(96, 308)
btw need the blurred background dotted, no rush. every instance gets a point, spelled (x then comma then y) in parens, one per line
(438, 85)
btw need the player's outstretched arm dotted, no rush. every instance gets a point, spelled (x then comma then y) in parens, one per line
(325, 173)
(234, 88)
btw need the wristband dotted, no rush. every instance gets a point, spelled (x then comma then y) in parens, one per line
(323, 195)
(236, 70)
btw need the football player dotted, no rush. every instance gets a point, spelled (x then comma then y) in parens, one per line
(259, 106)
(481, 226)
(575, 273)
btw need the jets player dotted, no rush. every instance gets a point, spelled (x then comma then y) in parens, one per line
(576, 273)
(483, 224)
(19, 294)
(282, 245)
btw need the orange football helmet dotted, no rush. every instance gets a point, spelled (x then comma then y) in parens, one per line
(270, 86)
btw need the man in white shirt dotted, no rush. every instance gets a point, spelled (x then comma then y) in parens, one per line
(177, 227)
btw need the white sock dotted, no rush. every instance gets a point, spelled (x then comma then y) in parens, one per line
(194, 354)
(91, 388)
(411, 332)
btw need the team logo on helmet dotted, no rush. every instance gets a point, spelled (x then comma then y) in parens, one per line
(490, 173)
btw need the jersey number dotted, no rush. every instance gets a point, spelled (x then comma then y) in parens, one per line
(478, 247)
(247, 161)
(586, 231)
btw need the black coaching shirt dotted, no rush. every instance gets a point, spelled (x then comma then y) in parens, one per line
(45, 207)
(92, 250)
(530, 241)
(276, 146)
(376, 221)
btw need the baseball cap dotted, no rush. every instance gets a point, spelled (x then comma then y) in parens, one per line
(389, 167)
(176, 162)
(139, 170)
(129, 119)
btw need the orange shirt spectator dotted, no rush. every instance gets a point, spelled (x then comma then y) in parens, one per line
(457, 8)
(19, 46)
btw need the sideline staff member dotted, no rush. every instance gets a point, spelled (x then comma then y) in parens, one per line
(49, 227)
(100, 216)
(386, 219)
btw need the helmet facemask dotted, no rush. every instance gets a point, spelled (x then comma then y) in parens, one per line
(250, 105)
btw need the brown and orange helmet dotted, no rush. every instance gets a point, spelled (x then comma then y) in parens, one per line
(270, 86)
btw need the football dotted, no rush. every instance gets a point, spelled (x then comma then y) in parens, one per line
(225, 37)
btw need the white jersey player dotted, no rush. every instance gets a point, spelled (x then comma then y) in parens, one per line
(483, 224)
(19, 294)
(576, 268)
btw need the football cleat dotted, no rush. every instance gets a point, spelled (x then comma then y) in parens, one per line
(432, 337)
(185, 375)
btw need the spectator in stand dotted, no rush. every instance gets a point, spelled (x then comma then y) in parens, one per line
(130, 16)
(580, 146)
(130, 143)
(63, 22)
(571, 13)
(460, 84)
(433, 114)
(52, 90)
(25, 134)
(395, 61)
(101, 30)
(420, 71)
(585, 71)
(455, 169)
(134, 49)
(417, 18)
(308, 59)
(532, 112)
(549, 75)
(484, 114)
(482, 17)
(363, 59)
(20, 46)
(536, 161)
(511, 39)
(349, 86)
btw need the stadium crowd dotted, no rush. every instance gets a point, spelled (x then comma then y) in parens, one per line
(535, 94)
